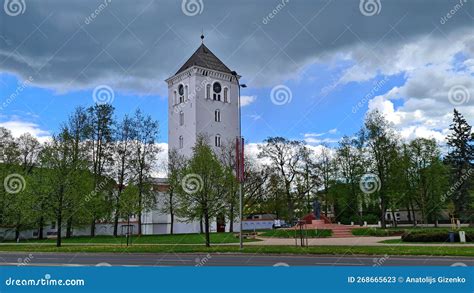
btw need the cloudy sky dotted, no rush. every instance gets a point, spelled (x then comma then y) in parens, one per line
(313, 68)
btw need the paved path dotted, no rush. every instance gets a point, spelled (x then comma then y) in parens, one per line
(350, 241)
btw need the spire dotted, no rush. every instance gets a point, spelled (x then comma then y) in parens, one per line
(202, 36)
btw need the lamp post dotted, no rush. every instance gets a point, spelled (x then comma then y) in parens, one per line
(241, 179)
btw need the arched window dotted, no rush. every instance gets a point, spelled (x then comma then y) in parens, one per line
(181, 118)
(217, 116)
(217, 88)
(181, 93)
(217, 141)
(175, 98)
(208, 91)
(186, 92)
(226, 95)
(181, 142)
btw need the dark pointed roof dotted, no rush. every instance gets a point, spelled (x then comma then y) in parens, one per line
(203, 57)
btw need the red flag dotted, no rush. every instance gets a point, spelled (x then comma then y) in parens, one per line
(242, 162)
(237, 159)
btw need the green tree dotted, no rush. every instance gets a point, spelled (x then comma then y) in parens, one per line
(460, 158)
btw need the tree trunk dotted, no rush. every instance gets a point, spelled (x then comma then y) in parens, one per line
(93, 228)
(201, 229)
(59, 220)
(231, 218)
(116, 218)
(171, 213)
(383, 210)
(206, 224)
(69, 228)
(17, 232)
(413, 213)
(394, 219)
(40, 228)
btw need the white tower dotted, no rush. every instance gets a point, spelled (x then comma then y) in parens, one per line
(202, 100)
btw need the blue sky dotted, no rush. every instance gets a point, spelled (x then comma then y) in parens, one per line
(334, 60)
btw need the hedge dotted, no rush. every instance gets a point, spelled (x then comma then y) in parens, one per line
(431, 235)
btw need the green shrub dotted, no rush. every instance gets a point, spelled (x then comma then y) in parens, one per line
(434, 235)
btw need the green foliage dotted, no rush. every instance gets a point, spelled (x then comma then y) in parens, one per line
(435, 235)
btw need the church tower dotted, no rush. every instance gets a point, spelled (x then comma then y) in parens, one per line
(202, 100)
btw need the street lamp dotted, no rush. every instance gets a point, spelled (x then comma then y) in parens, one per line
(241, 179)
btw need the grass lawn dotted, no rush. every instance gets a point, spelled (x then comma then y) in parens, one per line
(323, 250)
(319, 233)
(147, 239)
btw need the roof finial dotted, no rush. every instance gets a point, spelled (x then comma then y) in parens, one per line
(202, 36)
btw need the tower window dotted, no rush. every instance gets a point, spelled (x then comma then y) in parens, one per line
(175, 99)
(217, 141)
(226, 95)
(181, 93)
(186, 92)
(181, 118)
(217, 116)
(208, 91)
(181, 142)
(217, 91)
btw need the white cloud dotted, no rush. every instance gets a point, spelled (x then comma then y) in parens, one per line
(247, 100)
(18, 127)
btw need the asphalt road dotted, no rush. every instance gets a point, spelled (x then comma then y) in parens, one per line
(149, 259)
